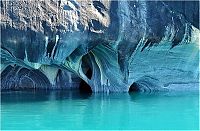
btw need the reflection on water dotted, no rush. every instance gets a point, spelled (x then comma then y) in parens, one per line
(41, 95)
(72, 110)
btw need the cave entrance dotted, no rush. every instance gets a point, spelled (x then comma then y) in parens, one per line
(89, 73)
(84, 87)
(134, 88)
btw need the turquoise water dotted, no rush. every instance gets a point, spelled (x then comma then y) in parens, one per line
(70, 110)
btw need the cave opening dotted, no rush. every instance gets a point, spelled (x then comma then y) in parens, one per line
(87, 70)
(134, 88)
(84, 87)
(86, 67)
(89, 73)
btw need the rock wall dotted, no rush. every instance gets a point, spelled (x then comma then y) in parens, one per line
(121, 42)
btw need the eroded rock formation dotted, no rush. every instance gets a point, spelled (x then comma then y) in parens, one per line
(53, 44)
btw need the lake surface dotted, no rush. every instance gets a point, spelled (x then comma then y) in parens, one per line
(70, 110)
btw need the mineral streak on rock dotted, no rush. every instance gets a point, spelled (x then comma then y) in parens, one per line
(110, 45)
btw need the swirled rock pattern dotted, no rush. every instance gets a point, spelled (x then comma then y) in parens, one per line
(110, 45)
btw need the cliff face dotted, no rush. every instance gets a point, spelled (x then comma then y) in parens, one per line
(111, 45)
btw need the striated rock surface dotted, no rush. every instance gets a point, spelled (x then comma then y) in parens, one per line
(110, 45)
